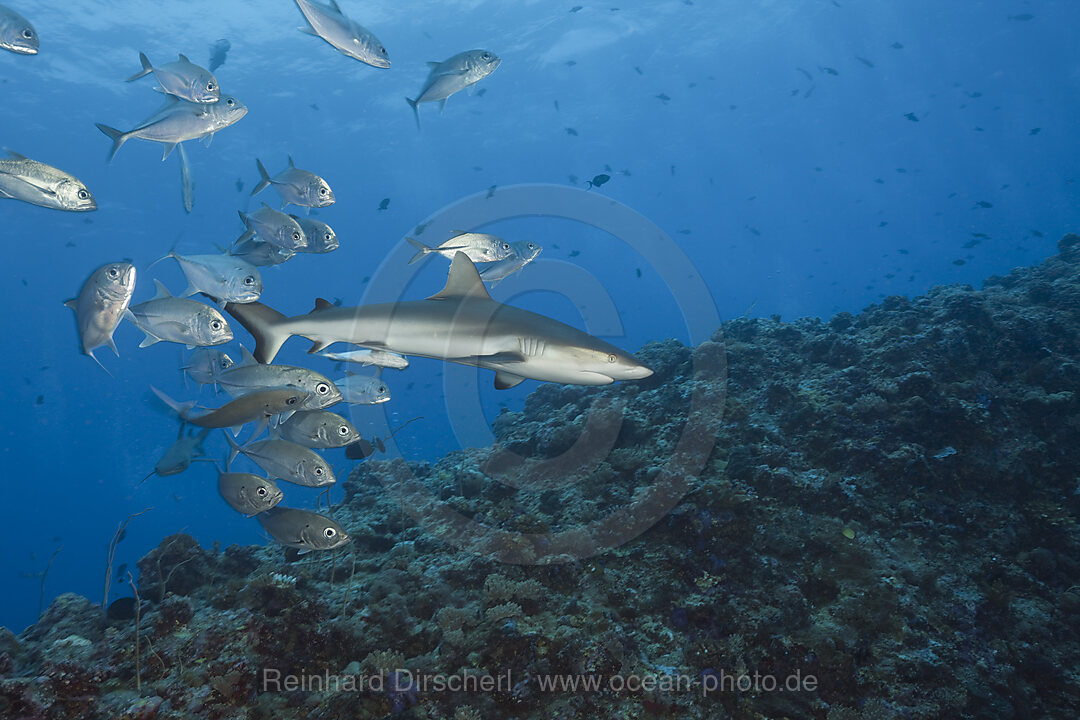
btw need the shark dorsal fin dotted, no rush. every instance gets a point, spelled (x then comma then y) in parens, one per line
(463, 281)
(162, 291)
(322, 304)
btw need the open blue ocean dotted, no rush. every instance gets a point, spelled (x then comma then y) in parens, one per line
(785, 210)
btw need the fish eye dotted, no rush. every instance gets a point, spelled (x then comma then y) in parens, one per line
(506, 246)
(328, 237)
(113, 272)
(83, 194)
(230, 102)
(382, 388)
(296, 236)
(210, 86)
(322, 388)
(322, 191)
(611, 358)
(382, 50)
(318, 471)
(291, 401)
(329, 533)
(261, 492)
(486, 56)
(343, 430)
(215, 325)
(249, 280)
(28, 33)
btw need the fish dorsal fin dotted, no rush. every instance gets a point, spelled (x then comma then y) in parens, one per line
(433, 65)
(72, 303)
(267, 206)
(291, 162)
(463, 281)
(162, 291)
(246, 358)
(14, 155)
(322, 304)
(334, 5)
(183, 58)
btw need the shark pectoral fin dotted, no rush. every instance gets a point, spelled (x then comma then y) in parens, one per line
(505, 380)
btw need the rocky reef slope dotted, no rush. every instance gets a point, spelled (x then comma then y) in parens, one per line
(881, 507)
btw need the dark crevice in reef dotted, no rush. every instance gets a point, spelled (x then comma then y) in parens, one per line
(889, 508)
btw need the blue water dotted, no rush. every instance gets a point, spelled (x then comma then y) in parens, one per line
(790, 193)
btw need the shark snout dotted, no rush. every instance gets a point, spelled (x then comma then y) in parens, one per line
(637, 372)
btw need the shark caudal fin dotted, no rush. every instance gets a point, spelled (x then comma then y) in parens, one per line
(263, 323)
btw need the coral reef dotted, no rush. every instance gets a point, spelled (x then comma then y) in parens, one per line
(884, 512)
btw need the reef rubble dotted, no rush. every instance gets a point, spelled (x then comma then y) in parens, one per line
(881, 506)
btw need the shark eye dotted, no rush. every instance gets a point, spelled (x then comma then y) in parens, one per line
(249, 280)
(215, 325)
(322, 388)
(611, 358)
(329, 533)
(83, 195)
(343, 431)
(261, 492)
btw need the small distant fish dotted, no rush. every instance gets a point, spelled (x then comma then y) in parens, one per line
(451, 75)
(366, 356)
(638, 70)
(524, 252)
(101, 304)
(984, 236)
(571, 63)
(40, 400)
(1036, 233)
(43, 185)
(897, 46)
(222, 277)
(575, 253)
(343, 33)
(217, 53)
(178, 320)
(1034, 131)
(363, 390)
(272, 226)
(480, 247)
(912, 117)
(320, 237)
(302, 530)
(319, 429)
(314, 106)
(183, 79)
(1022, 17)
(480, 92)
(248, 494)
(284, 460)
(597, 180)
(556, 106)
(830, 71)
(663, 97)
(187, 184)
(575, 8)
(239, 185)
(879, 181)
(983, 204)
(296, 186)
(685, 231)
(864, 61)
(754, 231)
(178, 458)
(571, 131)
(672, 171)
(902, 251)
(16, 33)
(959, 262)
(384, 204)
(120, 571)
(490, 192)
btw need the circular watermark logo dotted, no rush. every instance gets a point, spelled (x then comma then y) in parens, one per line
(697, 409)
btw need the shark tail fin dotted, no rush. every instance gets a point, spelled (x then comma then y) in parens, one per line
(264, 181)
(147, 68)
(416, 110)
(264, 323)
(117, 136)
(422, 250)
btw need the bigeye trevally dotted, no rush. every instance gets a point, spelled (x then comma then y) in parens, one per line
(16, 33)
(524, 252)
(284, 460)
(178, 320)
(345, 34)
(101, 304)
(250, 376)
(296, 186)
(306, 531)
(321, 238)
(43, 185)
(320, 429)
(247, 493)
(222, 277)
(273, 226)
(183, 79)
(478, 247)
(453, 74)
(180, 120)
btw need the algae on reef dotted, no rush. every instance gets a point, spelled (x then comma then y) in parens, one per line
(889, 507)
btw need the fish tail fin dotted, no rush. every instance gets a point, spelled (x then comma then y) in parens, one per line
(264, 176)
(422, 250)
(181, 409)
(234, 449)
(118, 138)
(147, 68)
(265, 325)
(416, 110)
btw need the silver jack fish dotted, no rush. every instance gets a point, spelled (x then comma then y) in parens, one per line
(460, 324)
(363, 390)
(330, 24)
(179, 120)
(457, 73)
(178, 320)
(296, 186)
(261, 254)
(478, 247)
(205, 365)
(249, 376)
(249, 494)
(222, 277)
(101, 304)
(257, 407)
(272, 226)
(366, 356)
(183, 79)
(524, 253)
(284, 460)
(306, 531)
(318, 429)
(321, 238)
(16, 33)
(39, 184)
